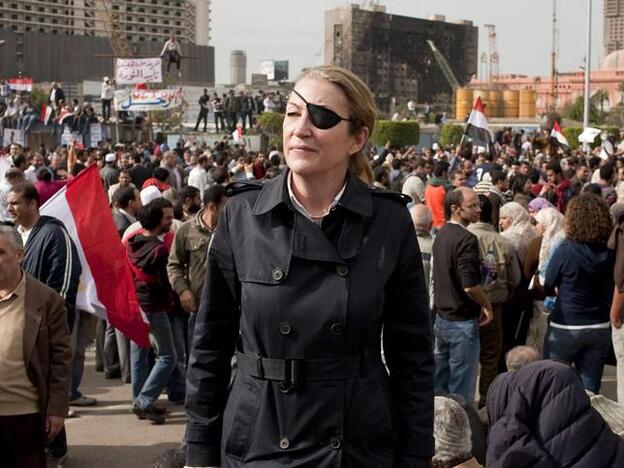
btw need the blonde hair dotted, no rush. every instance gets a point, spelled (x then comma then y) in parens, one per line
(361, 108)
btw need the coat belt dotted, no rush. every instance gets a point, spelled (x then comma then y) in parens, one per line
(298, 371)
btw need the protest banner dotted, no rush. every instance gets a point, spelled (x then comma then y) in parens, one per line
(133, 71)
(68, 137)
(13, 135)
(21, 84)
(95, 134)
(142, 100)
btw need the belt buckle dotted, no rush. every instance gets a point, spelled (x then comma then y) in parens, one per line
(294, 375)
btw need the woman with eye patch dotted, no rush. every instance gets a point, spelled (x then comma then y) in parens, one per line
(304, 273)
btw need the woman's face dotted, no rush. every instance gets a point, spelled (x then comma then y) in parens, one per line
(539, 229)
(310, 151)
(504, 223)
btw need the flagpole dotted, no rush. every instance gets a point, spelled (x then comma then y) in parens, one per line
(586, 147)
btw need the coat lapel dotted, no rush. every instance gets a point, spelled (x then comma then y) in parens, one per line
(32, 321)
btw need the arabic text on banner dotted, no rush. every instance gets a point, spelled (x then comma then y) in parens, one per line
(21, 84)
(147, 99)
(133, 71)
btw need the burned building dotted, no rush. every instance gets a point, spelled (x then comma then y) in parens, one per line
(391, 54)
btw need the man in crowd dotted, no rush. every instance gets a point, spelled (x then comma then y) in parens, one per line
(35, 360)
(49, 256)
(460, 303)
(138, 172)
(198, 177)
(499, 186)
(189, 203)
(421, 217)
(107, 95)
(148, 260)
(498, 257)
(557, 190)
(187, 259)
(109, 173)
(435, 193)
(124, 180)
(176, 174)
(204, 99)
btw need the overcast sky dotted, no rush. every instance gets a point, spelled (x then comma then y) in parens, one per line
(294, 30)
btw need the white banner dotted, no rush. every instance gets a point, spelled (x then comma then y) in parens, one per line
(147, 99)
(133, 71)
(67, 137)
(21, 84)
(13, 135)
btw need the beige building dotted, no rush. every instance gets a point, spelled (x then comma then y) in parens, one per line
(613, 30)
(140, 20)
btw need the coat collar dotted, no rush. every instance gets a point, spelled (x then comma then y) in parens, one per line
(356, 197)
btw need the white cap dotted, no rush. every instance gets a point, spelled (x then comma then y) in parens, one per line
(149, 194)
(435, 147)
(106, 78)
(110, 158)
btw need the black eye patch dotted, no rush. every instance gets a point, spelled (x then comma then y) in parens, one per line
(321, 117)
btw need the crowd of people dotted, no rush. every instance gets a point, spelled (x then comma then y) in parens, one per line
(522, 265)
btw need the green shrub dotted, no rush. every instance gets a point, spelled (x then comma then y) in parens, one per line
(397, 133)
(451, 134)
(572, 135)
(270, 124)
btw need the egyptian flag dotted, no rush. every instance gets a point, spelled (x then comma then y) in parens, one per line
(47, 114)
(477, 126)
(64, 114)
(106, 287)
(556, 134)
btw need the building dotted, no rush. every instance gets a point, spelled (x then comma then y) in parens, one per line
(238, 67)
(139, 20)
(569, 85)
(275, 70)
(67, 40)
(613, 28)
(390, 52)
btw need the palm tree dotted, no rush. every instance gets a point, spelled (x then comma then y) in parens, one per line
(621, 90)
(599, 97)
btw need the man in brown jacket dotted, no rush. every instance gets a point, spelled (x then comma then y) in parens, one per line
(35, 360)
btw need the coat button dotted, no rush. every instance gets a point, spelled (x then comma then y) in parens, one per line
(284, 443)
(285, 387)
(336, 328)
(277, 274)
(335, 443)
(285, 328)
(342, 270)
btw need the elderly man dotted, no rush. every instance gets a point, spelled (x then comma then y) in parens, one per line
(421, 217)
(35, 360)
(176, 174)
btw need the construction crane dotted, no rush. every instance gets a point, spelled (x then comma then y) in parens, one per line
(493, 51)
(553, 60)
(444, 66)
(118, 41)
(483, 72)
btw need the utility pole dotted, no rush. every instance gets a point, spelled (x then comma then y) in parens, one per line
(587, 73)
(553, 60)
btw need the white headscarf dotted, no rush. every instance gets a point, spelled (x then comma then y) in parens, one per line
(554, 232)
(520, 233)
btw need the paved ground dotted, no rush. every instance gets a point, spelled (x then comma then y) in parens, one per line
(108, 436)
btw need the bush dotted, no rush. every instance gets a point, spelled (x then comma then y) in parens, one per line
(397, 133)
(270, 124)
(572, 135)
(451, 134)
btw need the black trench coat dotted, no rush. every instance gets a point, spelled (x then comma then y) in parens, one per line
(311, 303)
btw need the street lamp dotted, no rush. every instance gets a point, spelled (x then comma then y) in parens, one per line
(587, 73)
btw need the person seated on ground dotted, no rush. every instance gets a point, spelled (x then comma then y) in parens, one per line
(452, 434)
(540, 416)
(518, 357)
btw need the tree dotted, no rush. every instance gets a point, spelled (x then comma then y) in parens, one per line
(621, 90)
(599, 97)
(451, 134)
(397, 133)
(574, 111)
(270, 124)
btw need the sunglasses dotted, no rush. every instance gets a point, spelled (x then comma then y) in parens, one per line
(321, 117)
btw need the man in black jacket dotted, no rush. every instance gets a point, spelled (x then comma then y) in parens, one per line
(51, 257)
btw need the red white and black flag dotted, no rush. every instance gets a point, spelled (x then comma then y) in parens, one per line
(557, 135)
(477, 126)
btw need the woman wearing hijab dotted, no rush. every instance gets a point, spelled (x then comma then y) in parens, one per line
(515, 225)
(550, 229)
(538, 204)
